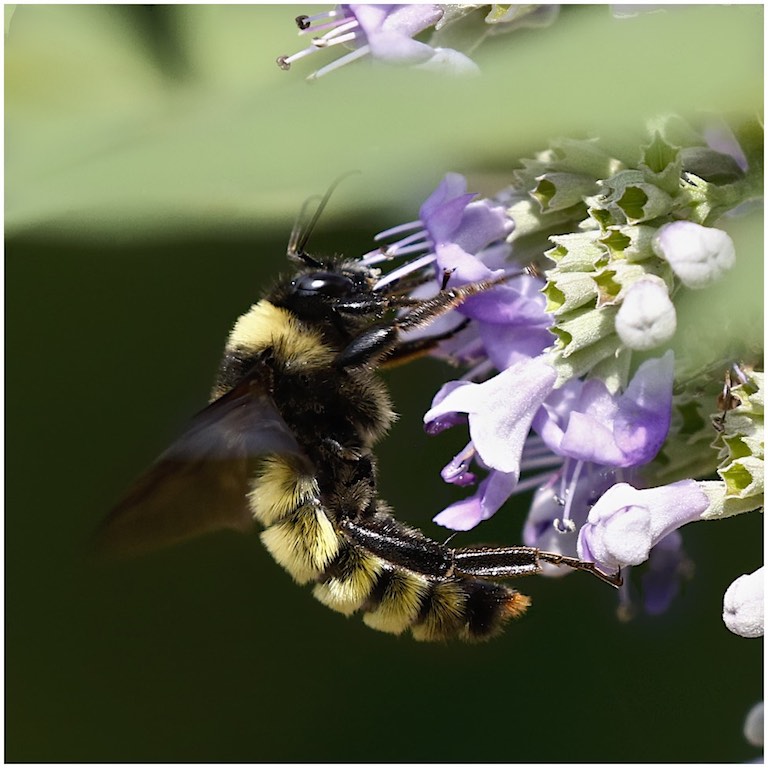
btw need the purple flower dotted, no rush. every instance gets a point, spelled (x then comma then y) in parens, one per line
(385, 32)
(623, 430)
(465, 237)
(626, 522)
(500, 411)
(451, 230)
(720, 137)
(661, 581)
(492, 492)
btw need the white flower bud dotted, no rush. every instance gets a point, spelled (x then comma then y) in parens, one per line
(646, 318)
(753, 725)
(743, 605)
(698, 255)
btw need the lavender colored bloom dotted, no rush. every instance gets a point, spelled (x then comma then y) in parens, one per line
(627, 522)
(500, 411)
(385, 32)
(661, 581)
(743, 608)
(451, 230)
(615, 430)
(492, 492)
(721, 138)
(465, 237)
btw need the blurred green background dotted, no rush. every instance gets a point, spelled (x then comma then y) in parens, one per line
(155, 159)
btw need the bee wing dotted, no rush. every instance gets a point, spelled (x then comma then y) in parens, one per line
(199, 484)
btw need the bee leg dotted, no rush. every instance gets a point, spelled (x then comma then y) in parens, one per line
(508, 562)
(342, 452)
(413, 349)
(379, 341)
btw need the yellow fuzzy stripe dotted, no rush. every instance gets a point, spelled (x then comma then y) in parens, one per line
(304, 543)
(279, 488)
(446, 614)
(400, 604)
(265, 325)
(348, 592)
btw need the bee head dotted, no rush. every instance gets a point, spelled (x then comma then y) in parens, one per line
(330, 287)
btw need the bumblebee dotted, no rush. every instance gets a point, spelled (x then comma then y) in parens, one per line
(287, 441)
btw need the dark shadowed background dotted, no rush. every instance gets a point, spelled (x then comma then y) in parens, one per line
(155, 158)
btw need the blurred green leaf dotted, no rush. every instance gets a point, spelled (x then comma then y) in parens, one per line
(101, 141)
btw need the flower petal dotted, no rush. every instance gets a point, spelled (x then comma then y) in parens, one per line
(646, 318)
(698, 255)
(743, 611)
(626, 523)
(500, 410)
(467, 513)
(645, 411)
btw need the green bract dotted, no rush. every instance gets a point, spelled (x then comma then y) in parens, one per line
(741, 447)
(601, 214)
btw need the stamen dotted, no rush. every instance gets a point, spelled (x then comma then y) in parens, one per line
(478, 372)
(305, 22)
(340, 29)
(566, 525)
(351, 56)
(332, 14)
(375, 257)
(406, 269)
(421, 236)
(396, 251)
(284, 62)
(534, 449)
(536, 481)
(457, 469)
(540, 461)
(327, 41)
(398, 229)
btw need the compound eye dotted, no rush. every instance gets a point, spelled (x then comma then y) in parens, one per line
(324, 284)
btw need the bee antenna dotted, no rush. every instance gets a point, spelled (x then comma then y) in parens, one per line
(300, 234)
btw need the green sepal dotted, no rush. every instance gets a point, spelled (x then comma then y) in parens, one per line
(722, 505)
(577, 252)
(582, 328)
(662, 164)
(744, 478)
(581, 362)
(529, 218)
(630, 242)
(608, 287)
(556, 191)
(613, 370)
(628, 198)
(566, 291)
(584, 156)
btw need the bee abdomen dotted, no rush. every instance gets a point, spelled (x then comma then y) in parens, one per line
(467, 609)
(303, 542)
(394, 599)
